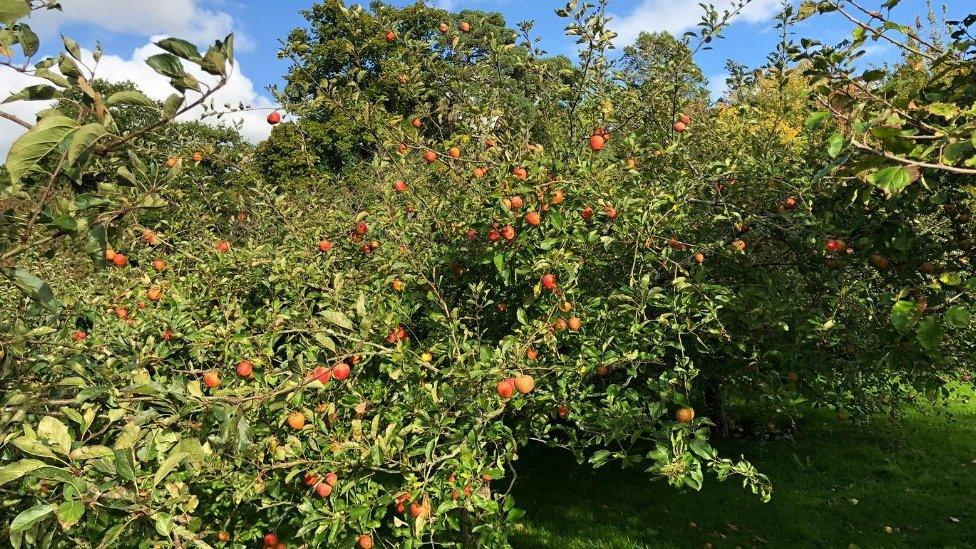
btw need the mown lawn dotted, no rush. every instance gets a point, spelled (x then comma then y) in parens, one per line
(910, 482)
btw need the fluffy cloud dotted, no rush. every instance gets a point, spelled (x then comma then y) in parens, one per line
(13, 82)
(239, 89)
(114, 68)
(184, 18)
(677, 16)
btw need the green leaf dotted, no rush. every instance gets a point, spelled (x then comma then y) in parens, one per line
(90, 452)
(891, 180)
(84, 138)
(806, 9)
(33, 447)
(904, 315)
(167, 65)
(835, 144)
(214, 62)
(30, 517)
(181, 48)
(167, 466)
(18, 469)
(69, 513)
(29, 42)
(815, 119)
(72, 47)
(12, 10)
(125, 464)
(55, 432)
(929, 333)
(130, 97)
(338, 318)
(325, 341)
(172, 104)
(29, 149)
(958, 316)
(873, 75)
(34, 287)
(945, 110)
(37, 92)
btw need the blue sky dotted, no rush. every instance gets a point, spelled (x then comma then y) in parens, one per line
(125, 28)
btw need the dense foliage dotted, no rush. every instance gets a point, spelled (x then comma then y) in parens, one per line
(458, 244)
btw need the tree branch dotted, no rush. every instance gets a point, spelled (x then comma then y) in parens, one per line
(15, 119)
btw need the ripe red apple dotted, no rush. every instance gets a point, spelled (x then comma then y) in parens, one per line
(494, 235)
(430, 157)
(587, 213)
(699, 258)
(524, 384)
(361, 228)
(532, 218)
(684, 118)
(679, 127)
(223, 246)
(167, 335)
(516, 202)
(79, 336)
(508, 233)
(610, 211)
(211, 380)
(563, 411)
(311, 479)
(323, 490)
(574, 324)
(879, 261)
(154, 294)
(245, 368)
(520, 173)
(479, 173)
(465, 26)
(270, 540)
(472, 234)
(296, 420)
(532, 353)
(417, 123)
(274, 118)
(365, 541)
(159, 265)
(597, 142)
(400, 186)
(790, 203)
(685, 415)
(325, 245)
(454, 153)
(506, 388)
(443, 28)
(320, 373)
(390, 36)
(331, 479)
(341, 371)
(119, 260)
(549, 281)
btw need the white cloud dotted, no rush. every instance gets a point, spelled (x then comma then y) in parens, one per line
(183, 18)
(13, 82)
(114, 68)
(677, 16)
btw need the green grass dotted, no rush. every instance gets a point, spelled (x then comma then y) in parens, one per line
(835, 484)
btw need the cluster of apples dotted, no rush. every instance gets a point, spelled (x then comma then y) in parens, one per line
(682, 123)
(507, 387)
